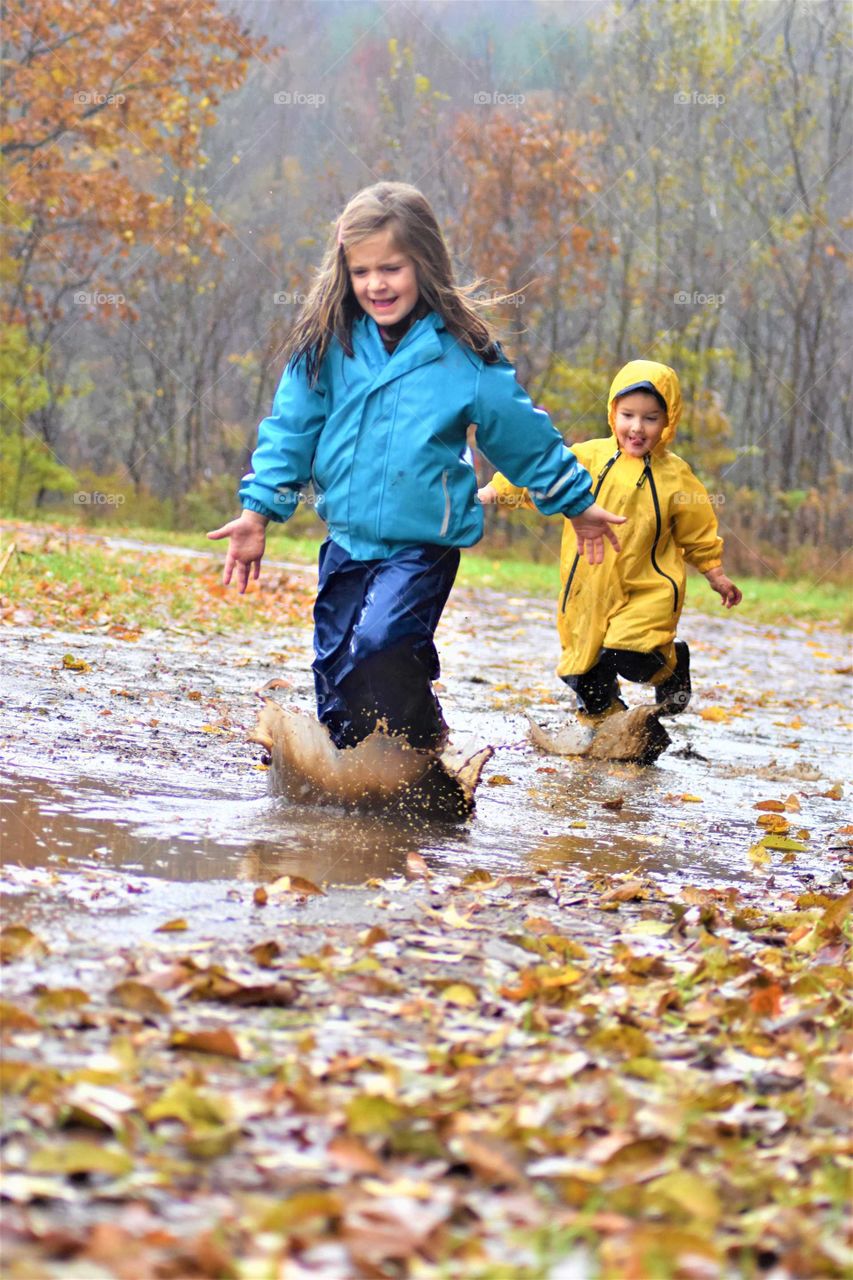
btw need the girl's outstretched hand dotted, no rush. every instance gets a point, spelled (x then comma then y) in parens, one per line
(591, 528)
(246, 542)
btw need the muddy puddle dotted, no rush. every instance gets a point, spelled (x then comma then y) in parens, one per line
(139, 765)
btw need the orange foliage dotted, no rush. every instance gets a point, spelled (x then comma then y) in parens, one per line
(105, 109)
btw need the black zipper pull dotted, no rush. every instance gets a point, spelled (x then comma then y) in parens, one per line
(647, 466)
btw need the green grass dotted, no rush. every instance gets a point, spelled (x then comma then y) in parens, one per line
(766, 600)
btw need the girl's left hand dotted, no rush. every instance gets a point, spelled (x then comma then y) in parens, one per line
(591, 527)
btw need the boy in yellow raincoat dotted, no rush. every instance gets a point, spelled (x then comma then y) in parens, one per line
(619, 618)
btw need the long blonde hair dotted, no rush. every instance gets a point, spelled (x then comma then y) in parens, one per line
(331, 309)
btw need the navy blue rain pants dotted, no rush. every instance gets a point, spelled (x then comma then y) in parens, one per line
(374, 655)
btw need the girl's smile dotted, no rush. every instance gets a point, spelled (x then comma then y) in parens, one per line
(639, 423)
(383, 278)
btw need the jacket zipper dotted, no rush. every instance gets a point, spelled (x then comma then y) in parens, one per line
(599, 482)
(445, 524)
(647, 473)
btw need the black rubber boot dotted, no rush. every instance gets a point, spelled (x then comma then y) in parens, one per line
(674, 694)
(393, 687)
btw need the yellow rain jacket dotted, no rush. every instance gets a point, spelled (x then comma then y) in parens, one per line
(634, 599)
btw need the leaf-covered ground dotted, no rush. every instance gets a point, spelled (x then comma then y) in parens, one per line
(484, 1077)
(600, 1033)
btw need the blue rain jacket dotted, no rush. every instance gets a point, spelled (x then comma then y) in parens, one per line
(383, 441)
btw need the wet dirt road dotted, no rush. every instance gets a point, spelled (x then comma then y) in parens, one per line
(134, 777)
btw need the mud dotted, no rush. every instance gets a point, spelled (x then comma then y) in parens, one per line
(138, 771)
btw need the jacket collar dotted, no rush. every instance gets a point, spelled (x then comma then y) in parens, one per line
(419, 346)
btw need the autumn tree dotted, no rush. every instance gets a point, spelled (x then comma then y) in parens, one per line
(105, 108)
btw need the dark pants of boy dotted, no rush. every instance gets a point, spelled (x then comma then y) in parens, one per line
(598, 688)
(374, 655)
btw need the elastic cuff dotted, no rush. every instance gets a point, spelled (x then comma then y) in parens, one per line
(250, 504)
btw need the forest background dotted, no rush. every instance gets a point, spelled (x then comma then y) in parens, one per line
(645, 179)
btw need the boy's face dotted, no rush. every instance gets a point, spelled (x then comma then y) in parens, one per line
(639, 423)
(383, 278)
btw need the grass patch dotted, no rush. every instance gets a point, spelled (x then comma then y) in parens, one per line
(56, 581)
(766, 600)
(116, 582)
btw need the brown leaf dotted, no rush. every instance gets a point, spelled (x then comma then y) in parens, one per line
(221, 1041)
(772, 806)
(12, 1018)
(16, 940)
(140, 998)
(260, 897)
(295, 884)
(214, 985)
(264, 953)
(628, 891)
(352, 1155)
(491, 1159)
(416, 867)
(172, 926)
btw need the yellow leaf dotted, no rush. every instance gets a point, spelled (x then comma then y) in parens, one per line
(693, 1194)
(81, 1157)
(173, 926)
(650, 928)
(714, 713)
(759, 856)
(452, 917)
(460, 993)
(70, 663)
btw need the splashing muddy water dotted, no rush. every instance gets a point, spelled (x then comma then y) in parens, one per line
(140, 765)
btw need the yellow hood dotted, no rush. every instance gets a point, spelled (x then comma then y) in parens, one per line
(664, 379)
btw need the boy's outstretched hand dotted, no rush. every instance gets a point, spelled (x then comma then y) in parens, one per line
(246, 542)
(725, 588)
(591, 528)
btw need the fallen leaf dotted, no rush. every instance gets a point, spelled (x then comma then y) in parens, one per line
(172, 926)
(12, 1018)
(70, 663)
(221, 1041)
(81, 1157)
(416, 867)
(295, 884)
(17, 941)
(140, 998)
(459, 993)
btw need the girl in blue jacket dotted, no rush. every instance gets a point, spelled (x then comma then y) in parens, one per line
(387, 366)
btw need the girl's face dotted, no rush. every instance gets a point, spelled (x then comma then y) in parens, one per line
(639, 423)
(383, 278)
